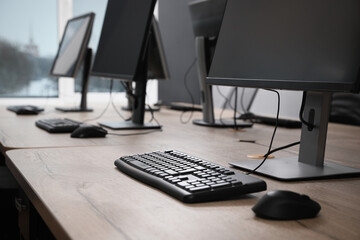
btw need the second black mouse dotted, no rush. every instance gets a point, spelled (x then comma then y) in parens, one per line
(286, 205)
(88, 131)
(29, 110)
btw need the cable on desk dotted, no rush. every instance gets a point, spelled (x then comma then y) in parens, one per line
(189, 92)
(228, 102)
(152, 115)
(273, 135)
(107, 106)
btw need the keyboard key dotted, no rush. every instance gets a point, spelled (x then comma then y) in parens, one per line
(139, 164)
(199, 188)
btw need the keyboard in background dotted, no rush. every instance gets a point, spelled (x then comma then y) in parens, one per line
(25, 109)
(58, 125)
(188, 178)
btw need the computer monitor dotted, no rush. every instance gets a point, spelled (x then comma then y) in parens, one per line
(157, 64)
(206, 18)
(125, 52)
(312, 46)
(73, 51)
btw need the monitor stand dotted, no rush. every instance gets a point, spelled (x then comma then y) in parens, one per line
(129, 106)
(138, 105)
(310, 162)
(202, 46)
(84, 85)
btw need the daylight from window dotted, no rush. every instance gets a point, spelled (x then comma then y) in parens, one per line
(28, 44)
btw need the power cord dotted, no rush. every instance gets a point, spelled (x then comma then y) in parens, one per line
(273, 135)
(309, 125)
(242, 101)
(190, 94)
(107, 105)
(235, 109)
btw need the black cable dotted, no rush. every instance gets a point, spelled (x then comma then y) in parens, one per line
(189, 92)
(107, 106)
(235, 108)
(227, 101)
(309, 125)
(273, 135)
(116, 110)
(223, 106)
(242, 101)
(152, 115)
(282, 148)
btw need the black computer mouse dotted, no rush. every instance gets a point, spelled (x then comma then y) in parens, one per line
(29, 110)
(88, 131)
(286, 205)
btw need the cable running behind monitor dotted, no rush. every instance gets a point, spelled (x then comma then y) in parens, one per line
(312, 46)
(72, 52)
(123, 53)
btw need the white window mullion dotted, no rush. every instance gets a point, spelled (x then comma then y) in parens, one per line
(66, 85)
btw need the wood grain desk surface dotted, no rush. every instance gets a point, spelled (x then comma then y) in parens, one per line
(19, 132)
(81, 195)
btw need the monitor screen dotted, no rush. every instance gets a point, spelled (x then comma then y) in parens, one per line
(313, 46)
(123, 38)
(73, 45)
(289, 44)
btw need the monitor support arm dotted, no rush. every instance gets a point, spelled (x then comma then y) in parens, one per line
(85, 78)
(313, 142)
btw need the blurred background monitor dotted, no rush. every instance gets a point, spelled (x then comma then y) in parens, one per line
(73, 51)
(127, 51)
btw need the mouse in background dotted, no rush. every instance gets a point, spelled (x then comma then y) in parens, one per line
(88, 131)
(27, 110)
(286, 205)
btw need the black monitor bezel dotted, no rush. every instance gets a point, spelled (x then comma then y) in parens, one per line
(83, 49)
(285, 84)
(145, 39)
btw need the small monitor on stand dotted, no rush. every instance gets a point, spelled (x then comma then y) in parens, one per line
(293, 45)
(125, 53)
(73, 51)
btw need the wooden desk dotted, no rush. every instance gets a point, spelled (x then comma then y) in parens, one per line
(81, 195)
(20, 132)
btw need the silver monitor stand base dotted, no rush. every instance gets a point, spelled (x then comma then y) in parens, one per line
(290, 169)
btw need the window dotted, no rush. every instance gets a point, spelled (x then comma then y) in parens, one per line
(30, 32)
(98, 7)
(28, 43)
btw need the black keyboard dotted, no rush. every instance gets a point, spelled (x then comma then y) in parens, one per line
(58, 125)
(188, 178)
